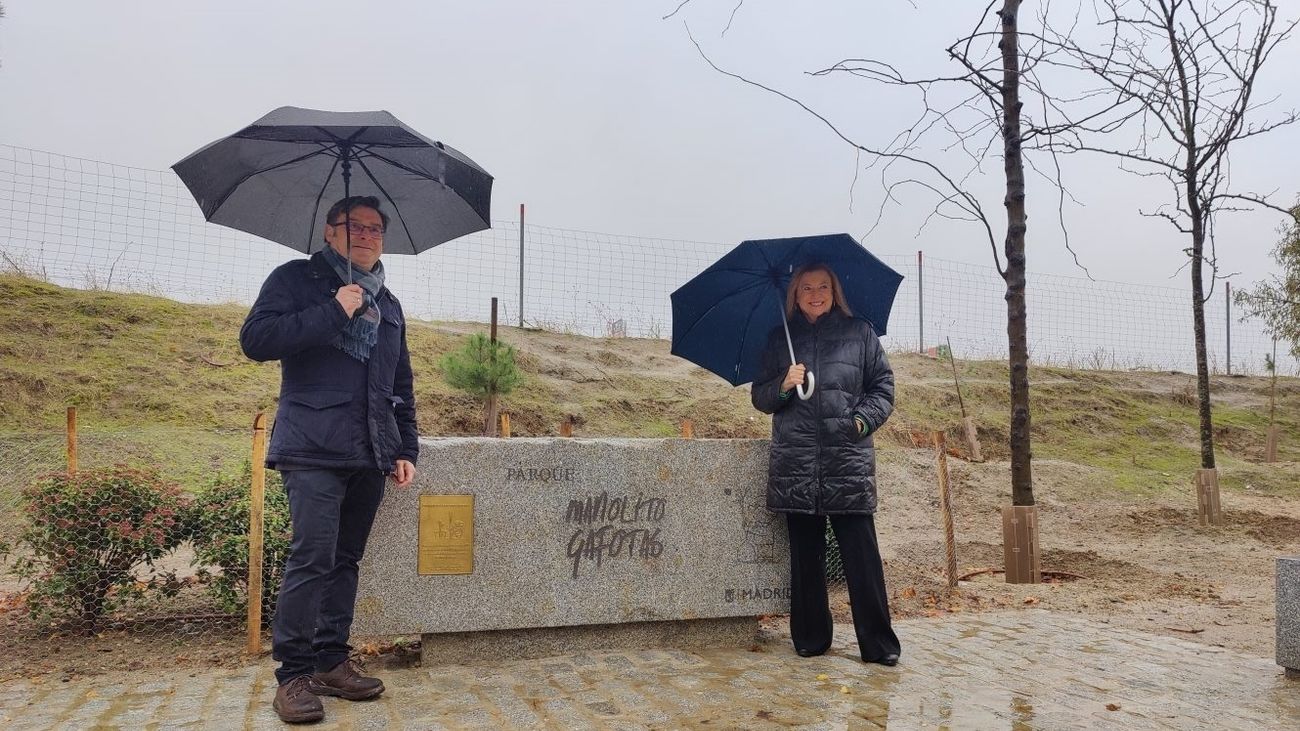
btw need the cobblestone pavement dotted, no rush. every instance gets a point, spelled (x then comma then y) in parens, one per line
(1019, 670)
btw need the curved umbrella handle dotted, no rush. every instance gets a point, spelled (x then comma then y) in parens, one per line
(812, 384)
(808, 376)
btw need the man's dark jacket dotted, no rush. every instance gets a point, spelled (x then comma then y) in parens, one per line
(819, 463)
(335, 411)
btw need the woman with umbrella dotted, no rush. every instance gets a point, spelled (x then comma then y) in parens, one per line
(823, 458)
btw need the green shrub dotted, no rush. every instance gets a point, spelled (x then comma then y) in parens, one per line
(481, 367)
(86, 536)
(219, 526)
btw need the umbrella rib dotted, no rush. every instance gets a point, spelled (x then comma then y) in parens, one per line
(231, 190)
(744, 335)
(407, 168)
(396, 210)
(311, 222)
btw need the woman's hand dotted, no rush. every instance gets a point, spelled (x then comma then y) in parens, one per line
(794, 376)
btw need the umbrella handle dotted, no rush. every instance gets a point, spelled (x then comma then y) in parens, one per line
(812, 384)
(808, 376)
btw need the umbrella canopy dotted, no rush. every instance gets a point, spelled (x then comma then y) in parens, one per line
(278, 176)
(721, 318)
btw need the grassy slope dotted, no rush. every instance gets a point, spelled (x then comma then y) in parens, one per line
(155, 380)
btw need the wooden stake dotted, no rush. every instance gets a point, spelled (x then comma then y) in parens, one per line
(494, 320)
(256, 501)
(1209, 511)
(1272, 388)
(505, 425)
(972, 439)
(688, 429)
(952, 359)
(968, 422)
(1270, 450)
(945, 509)
(72, 440)
(566, 427)
(1020, 544)
(492, 405)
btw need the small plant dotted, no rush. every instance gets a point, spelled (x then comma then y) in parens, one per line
(86, 536)
(219, 526)
(1101, 360)
(485, 369)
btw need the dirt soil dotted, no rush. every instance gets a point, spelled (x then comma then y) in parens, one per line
(1142, 562)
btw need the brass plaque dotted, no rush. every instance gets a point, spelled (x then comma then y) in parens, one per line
(446, 535)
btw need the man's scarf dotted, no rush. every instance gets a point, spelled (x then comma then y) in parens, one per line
(362, 331)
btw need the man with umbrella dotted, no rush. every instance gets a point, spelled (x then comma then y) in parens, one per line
(346, 420)
(346, 417)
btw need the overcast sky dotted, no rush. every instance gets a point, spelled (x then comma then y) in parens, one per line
(596, 113)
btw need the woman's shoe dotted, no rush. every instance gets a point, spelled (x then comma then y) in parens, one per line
(889, 660)
(807, 653)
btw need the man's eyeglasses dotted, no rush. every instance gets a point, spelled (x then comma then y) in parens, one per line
(359, 229)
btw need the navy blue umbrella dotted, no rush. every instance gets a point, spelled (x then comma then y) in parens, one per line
(721, 318)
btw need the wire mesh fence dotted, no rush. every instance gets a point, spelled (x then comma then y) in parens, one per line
(89, 224)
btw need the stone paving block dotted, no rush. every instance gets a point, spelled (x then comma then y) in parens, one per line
(954, 674)
(472, 718)
(567, 714)
(569, 681)
(446, 681)
(511, 707)
(193, 724)
(28, 723)
(371, 723)
(617, 661)
(10, 701)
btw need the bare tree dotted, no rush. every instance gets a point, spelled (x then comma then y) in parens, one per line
(986, 115)
(1175, 81)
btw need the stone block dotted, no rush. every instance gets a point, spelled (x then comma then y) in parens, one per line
(463, 648)
(1288, 613)
(572, 532)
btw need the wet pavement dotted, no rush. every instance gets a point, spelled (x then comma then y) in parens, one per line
(1019, 670)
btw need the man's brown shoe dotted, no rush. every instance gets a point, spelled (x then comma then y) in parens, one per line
(346, 681)
(294, 702)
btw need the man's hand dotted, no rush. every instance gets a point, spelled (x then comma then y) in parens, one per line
(794, 376)
(350, 298)
(403, 473)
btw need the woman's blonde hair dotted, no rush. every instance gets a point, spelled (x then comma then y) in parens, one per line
(837, 291)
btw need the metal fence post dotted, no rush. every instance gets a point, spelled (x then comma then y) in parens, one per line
(521, 265)
(920, 303)
(1227, 309)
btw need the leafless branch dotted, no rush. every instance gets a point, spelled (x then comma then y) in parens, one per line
(733, 16)
(957, 196)
(677, 10)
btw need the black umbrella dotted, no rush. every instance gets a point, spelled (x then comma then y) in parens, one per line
(277, 176)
